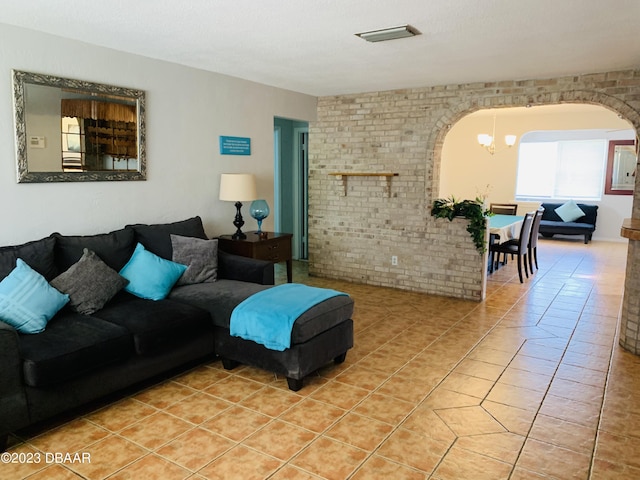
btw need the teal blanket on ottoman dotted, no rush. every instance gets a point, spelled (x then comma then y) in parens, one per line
(267, 317)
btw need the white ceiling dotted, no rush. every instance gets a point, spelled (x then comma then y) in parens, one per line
(309, 46)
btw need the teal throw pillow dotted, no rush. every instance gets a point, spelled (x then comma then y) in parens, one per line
(149, 275)
(569, 212)
(27, 301)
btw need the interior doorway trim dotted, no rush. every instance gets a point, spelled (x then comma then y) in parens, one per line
(277, 166)
(301, 193)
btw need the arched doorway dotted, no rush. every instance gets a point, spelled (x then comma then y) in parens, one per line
(494, 176)
(629, 330)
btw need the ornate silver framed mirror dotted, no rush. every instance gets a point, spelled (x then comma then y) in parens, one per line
(77, 131)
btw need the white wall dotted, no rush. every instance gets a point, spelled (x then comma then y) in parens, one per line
(42, 118)
(187, 110)
(468, 170)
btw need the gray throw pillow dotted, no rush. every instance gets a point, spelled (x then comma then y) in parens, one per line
(200, 256)
(90, 283)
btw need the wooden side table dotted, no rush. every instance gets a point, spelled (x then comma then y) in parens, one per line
(276, 247)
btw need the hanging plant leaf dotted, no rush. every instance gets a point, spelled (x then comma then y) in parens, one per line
(472, 210)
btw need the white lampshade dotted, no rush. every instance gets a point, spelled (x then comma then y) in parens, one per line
(238, 187)
(485, 139)
(510, 140)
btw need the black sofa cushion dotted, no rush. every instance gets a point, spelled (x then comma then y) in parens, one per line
(549, 226)
(156, 325)
(114, 248)
(72, 345)
(218, 299)
(157, 237)
(222, 297)
(38, 254)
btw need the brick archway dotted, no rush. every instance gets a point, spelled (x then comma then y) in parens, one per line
(402, 131)
(629, 327)
(436, 139)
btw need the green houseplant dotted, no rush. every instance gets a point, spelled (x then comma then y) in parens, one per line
(472, 210)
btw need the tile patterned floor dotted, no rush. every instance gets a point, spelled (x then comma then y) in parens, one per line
(529, 384)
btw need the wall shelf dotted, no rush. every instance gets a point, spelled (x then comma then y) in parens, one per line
(363, 174)
(630, 229)
(385, 176)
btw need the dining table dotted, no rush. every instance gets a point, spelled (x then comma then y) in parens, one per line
(503, 228)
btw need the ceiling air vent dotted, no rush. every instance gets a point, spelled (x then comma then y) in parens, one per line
(389, 33)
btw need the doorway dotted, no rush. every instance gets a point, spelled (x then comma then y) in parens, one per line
(494, 177)
(291, 173)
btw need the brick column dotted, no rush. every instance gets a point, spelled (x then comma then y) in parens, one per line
(629, 333)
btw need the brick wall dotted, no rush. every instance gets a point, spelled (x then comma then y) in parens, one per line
(355, 227)
(629, 331)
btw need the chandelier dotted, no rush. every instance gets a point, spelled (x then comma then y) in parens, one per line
(489, 141)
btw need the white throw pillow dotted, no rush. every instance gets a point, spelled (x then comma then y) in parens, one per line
(569, 212)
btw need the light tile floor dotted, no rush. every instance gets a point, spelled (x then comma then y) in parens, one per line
(528, 384)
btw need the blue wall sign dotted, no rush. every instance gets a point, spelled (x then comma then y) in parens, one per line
(235, 145)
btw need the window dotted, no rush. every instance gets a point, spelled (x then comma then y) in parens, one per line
(561, 165)
(72, 143)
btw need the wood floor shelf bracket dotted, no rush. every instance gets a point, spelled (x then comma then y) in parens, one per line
(385, 179)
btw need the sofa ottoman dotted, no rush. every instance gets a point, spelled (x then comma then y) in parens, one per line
(322, 334)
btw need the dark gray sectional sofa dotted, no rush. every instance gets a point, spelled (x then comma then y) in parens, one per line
(79, 358)
(552, 224)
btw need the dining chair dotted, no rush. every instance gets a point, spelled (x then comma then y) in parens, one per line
(517, 246)
(532, 248)
(503, 208)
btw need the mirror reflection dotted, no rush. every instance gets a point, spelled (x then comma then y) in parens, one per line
(71, 130)
(621, 167)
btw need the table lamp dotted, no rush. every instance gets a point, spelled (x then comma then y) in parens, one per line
(238, 187)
